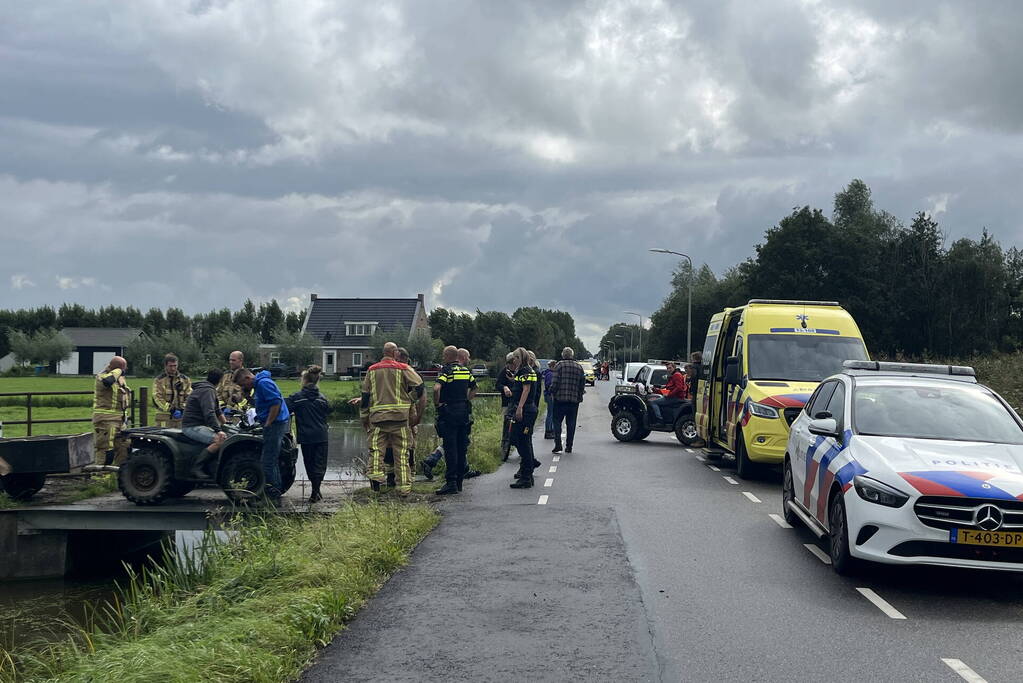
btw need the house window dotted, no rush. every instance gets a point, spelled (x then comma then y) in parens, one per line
(357, 360)
(360, 329)
(275, 357)
(329, 362)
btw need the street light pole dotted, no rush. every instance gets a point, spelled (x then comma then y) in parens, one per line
(640, 333)
(689, 312)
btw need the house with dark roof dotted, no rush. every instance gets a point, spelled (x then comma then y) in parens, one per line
(344, 327)
(94, 347)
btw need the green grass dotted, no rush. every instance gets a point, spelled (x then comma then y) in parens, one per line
(257, 609)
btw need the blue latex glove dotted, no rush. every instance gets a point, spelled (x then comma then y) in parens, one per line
(176, 415)
(227, 412)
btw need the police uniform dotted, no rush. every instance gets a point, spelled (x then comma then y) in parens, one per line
(230, 395)
(522, 430)
(386, 401)
(454, 419)
(110, 405)
(170, 392)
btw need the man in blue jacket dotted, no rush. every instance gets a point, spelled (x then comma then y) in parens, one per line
(272, 413)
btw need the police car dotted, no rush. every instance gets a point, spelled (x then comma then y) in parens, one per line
(908, 464)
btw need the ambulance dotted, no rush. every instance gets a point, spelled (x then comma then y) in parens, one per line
(760, 364)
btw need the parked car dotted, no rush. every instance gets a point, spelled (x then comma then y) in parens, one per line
(588, 372)
(905, 463)
(479, 370)
(630, 370)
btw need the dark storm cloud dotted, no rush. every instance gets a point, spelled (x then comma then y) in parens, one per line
(503, 154)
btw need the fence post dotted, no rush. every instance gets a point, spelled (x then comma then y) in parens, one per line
(144, 406)
(28, 414)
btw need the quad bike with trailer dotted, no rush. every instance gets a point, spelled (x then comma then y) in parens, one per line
(633, 420)
(161, 459)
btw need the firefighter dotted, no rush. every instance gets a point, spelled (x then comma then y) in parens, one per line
(414, 419)
(110, 405)
(170, 392)
(452, 393)
(387, 392)
(233, 399)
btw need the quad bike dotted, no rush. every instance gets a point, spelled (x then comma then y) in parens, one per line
(160, 464)
(632, 418)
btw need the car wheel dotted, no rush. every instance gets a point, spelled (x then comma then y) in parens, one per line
(22, 486)
(625, 426)
(685, 431)
(788, 494)
(842, 560)
(146, 478)
(744, 467)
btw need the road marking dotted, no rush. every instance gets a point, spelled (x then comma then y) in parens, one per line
(701, 458)
(965, 672)
(690, 450)
(780, 521)
(817, 552)
(543, 500)
(714, 468)
(881, 603)
(549, 482)
(553, 469)
(752, 497)
(729, 480)
(556, 458)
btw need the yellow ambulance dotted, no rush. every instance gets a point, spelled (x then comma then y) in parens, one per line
(760, 364)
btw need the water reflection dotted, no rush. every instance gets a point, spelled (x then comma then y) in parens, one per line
(347, 450)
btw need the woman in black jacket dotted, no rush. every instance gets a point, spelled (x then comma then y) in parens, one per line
(310, 408)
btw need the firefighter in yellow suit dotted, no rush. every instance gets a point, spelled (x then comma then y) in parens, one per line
(170, 392)
(388, 390)
(110, 405)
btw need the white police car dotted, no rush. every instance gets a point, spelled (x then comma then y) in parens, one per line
(908, 464)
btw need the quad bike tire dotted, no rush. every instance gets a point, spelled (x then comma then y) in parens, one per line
(147, 477)
(241, 477)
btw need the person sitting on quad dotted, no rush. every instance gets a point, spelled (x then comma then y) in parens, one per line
(202, 421)
(675, 393)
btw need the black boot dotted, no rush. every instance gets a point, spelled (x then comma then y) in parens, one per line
(199, 466)
(448, 489)
(109, 460)
(390, 480)
(525, 482)
(375, 485)
(427, 470)
(315, 496)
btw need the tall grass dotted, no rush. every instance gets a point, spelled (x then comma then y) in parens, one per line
(255, 609)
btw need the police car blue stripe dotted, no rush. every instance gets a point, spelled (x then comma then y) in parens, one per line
(965, 484)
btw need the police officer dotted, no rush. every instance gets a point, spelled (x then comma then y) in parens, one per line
(233, 399)
(110, 403)
(452, 392)
(170, 393)
(387, 392)
(522, 410)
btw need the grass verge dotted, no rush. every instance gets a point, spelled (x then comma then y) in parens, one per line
(256, 609)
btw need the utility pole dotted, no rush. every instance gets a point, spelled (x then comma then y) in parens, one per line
(640, 351)
(689, 312)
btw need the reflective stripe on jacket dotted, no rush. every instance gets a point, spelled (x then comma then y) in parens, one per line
(387, 389)
(109, 397)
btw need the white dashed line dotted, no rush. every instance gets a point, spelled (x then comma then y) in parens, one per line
(881, 603)
(556, 458)
(965, 672)
(553, 469)
(780, 521)
(817, 552)
(729, 480)
(752, 498)
(543, 500)
(716, 469)
(701, 458)
(549, 482)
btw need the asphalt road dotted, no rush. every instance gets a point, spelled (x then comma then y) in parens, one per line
(641, 562)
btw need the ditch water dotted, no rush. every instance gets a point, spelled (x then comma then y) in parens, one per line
(31, 611)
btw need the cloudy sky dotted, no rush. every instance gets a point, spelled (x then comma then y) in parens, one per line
(488, 154)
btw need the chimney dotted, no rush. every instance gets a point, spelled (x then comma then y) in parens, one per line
(312, 297)
(421, 298)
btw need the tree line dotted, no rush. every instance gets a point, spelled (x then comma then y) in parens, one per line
(909, 292)
(492, 334)
(266, 321)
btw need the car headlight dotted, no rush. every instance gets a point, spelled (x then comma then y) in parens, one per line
(873, 491)
(761, 410)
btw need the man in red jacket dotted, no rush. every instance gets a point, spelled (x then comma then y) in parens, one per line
(675, 392)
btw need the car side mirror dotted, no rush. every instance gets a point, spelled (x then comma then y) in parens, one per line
(732, 370)
(825, 426)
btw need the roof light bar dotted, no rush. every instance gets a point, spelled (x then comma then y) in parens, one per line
(913, 368)
(786, 302)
